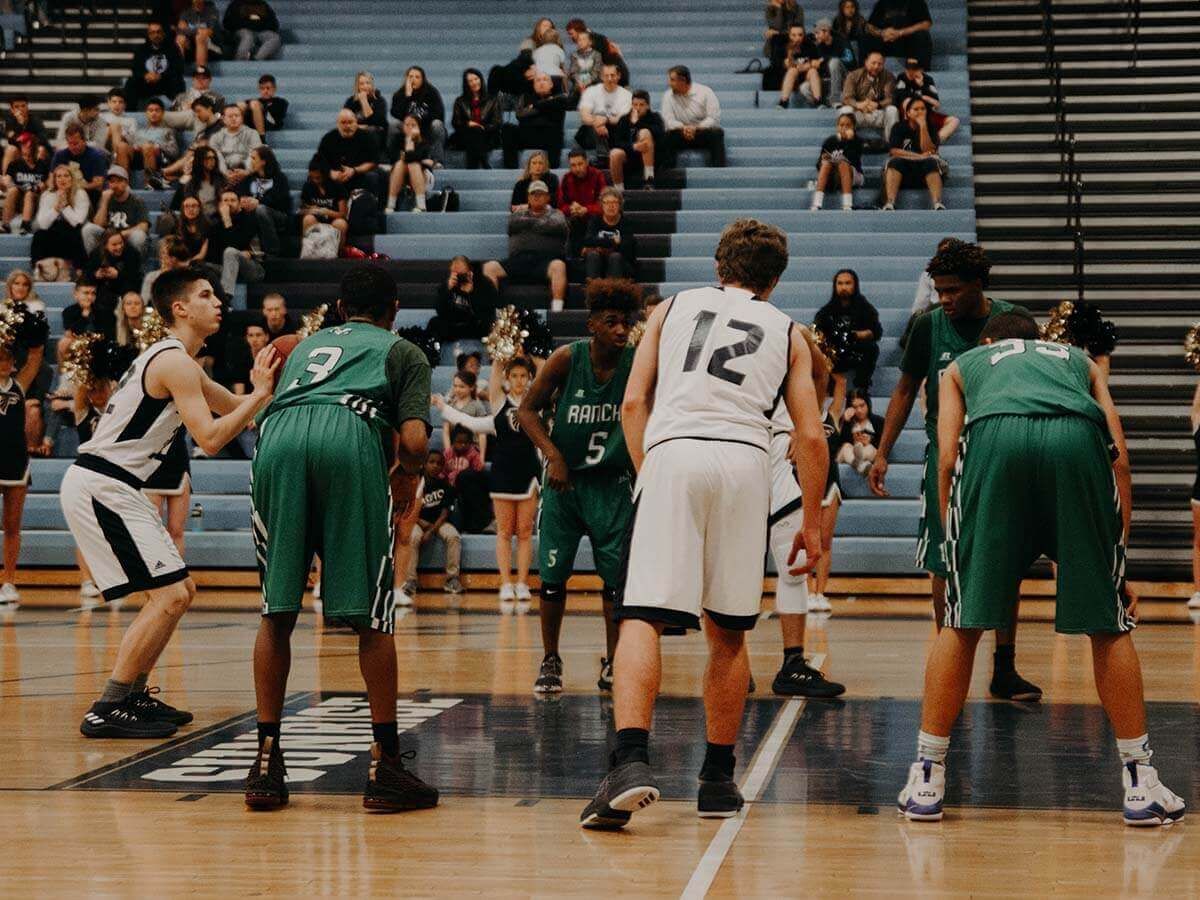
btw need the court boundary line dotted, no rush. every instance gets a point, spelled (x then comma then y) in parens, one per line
(754, 781)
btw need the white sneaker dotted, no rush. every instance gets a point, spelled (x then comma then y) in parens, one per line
(508, 596)
(888, 207)
(814, 602)
(1194, 602)
(524, 598)
(403, 598)
(89, 594)
(921, 799)
(9, 595)
(1148, 802)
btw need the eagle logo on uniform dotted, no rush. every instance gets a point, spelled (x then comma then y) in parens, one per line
(8, 401)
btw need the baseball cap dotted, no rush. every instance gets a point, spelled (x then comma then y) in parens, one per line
(912, 63)
(118, 172)
(202, 72)
(538, 187)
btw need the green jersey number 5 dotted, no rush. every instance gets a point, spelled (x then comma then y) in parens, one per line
(1016, 346)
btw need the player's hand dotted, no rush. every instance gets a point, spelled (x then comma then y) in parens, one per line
(808, 540)
(262, 376)
(1131, 602)
(876, 477)
(557, 474)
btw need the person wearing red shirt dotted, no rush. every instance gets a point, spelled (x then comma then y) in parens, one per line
(579, 196)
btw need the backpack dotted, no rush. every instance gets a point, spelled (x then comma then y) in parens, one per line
(364, 217)
(320, 242)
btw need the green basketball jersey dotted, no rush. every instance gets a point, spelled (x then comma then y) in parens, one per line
(946, 345)
(1027, 378)
(587, 419)
(382, 378)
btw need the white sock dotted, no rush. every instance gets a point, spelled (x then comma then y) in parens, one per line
(620, 186)
(847, 201)
(932, 747)
(16, 223)
(649, 171)
(1135, 749)
(556, 305)
(818, 199)
(420, 201)
(391, 205)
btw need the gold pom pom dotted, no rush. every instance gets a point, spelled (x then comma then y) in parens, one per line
(10, 324)
(636, 333)
(310, 322)
(77, 362)
(1191, 346)
(1056, 329)
(152, 331)
(506, 339)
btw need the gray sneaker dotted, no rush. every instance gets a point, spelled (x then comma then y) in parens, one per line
(453, 585)
(624, 790)
(410, 588)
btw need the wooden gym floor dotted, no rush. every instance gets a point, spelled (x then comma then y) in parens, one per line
(1035, 790)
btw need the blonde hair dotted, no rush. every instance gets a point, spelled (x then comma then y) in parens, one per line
(364, 74)
(532, 156)
(76, 177)
(549, 36)
(13, 276)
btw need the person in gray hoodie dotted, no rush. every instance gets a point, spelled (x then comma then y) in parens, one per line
(537, 247)
(234, 143)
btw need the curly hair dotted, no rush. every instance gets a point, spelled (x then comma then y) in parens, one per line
(618, 294)
(967, 261)
(752, 254)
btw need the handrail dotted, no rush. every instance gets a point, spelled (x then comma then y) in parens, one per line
(1133, 19)
(40, 14)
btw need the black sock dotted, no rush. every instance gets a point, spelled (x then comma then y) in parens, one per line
(387, 736)
(1004, 659)
(789, 652)
(268, 730)
(718, 760)
(633, 745)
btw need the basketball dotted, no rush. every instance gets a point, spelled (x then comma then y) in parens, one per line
(284, 345)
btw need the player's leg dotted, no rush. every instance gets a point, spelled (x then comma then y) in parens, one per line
(14, 509)
(559, 533)
(606, 506)
(526, 517)
(506, 524)
(726, 678)
(177, 512)
(266, 783)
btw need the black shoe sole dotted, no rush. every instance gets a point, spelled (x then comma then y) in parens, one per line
(717, 813)
(788, 691)
(265, 802)
(381, 805)
(622, 807)
(1028, 697)
(117, 731)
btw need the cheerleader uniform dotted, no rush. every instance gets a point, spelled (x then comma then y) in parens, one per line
(516, 468)
(86, 426)
(833, 483)
(14, 453)
(173, 477)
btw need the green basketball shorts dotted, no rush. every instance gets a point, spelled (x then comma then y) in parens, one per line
(1025, 486)
(930, 534)
(319, 485)
(599, 505)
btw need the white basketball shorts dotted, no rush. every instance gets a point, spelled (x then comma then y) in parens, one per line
(699, 534)
(119, 533)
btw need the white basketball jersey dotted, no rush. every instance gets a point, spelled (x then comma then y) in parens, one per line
(722, 362)
(136, 430)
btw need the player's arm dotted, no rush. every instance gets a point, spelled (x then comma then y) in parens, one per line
(28, 372)
(548, 382)
(899, 409)
(1121, 467)
(220, 399)
(810, 452)
(639, 390)
(952, 413)
(179, 376)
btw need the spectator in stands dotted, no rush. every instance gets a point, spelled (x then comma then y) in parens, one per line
(234, 142)
(181, 114)
(915, 82)
(192, 229)
(62, 211)
(913, 158)
(464, 470)
(861, 431)
(18, 123)
(323, 201)
(634, 139)
(900, 28)
(253, 339)
(157, 68)
(276, 318)
(267, 195)
(116, 268)
(781, 17)
(120, 209)
(464, 396)
(229, 246)
(18, 288)
(869, 95)
(466, 305)
(205, 182)
(23, 184)
(155, 146)
(848, 310)
(601, 107)
(84, 316)
(92, 164)
(540, 117)
(268, 109)
(537, 168)
(413, 167)
(476, 118)
(86, 116)
(368, 105)
(537, 37)
(421, 99)
(850, 26)
(129, 318)
(835, 61)
(537, 247)
(173, 254)
(926, 297)
(435, 498)
(352, 155)
(610, 246)
(207, 123)
(550, 57)
(120, 128)
(583, 69)
(198, 32)
(841, 153)
(801, 65)
(254, 24)
(609, 51)
(579, 193)
(692, 116)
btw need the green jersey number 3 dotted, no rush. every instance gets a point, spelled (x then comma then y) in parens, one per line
(321, 362)
(1016, 346)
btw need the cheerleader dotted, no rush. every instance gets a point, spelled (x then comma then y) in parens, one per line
(14, 456)
(170, 488)
(87, 406)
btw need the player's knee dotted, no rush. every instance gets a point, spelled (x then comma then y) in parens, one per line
(554, 593)
(176, 599)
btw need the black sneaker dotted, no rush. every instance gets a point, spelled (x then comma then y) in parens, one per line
(798, 679)
(1011, 686)
(625, 789)
(266, 783)
(719, 798)
(549, 680)
(604, 682)
(152, 708)
(155, 182)
(392, 788)
(648, 184)
(122, 720)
